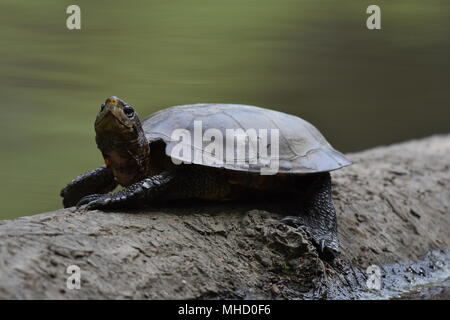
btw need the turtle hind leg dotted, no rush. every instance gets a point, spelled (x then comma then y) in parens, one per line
(318, 215)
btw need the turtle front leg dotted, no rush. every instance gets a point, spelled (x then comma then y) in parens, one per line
(100, 180)
(156, 187)
(319, 215)
(180, 183)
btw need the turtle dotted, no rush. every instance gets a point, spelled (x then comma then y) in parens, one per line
(145, 159)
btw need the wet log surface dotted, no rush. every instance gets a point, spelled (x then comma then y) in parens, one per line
(393, 206)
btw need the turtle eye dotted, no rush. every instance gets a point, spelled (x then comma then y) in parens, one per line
(129, 112)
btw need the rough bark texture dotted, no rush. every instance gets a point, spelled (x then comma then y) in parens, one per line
(392, 205)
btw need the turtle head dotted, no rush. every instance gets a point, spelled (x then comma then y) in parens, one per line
(117, 117)
(121, 139)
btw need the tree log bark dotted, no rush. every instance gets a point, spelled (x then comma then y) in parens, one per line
(392, 205)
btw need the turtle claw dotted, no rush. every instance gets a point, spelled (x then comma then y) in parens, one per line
(325, 246)
(295, 222)
(328, 248)
(328, 251)
(322, 245)
(93, 201)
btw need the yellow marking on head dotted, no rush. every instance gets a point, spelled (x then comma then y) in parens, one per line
(111, 100)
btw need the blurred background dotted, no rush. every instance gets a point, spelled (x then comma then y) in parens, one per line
(314, 59)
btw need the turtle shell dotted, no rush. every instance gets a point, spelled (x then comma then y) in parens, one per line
(302, 148)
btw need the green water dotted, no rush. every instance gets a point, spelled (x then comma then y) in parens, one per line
(315, 59)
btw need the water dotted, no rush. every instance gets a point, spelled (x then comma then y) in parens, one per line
(314, 59)
(425, 278)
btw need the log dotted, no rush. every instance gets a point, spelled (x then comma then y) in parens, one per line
(392, 206)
